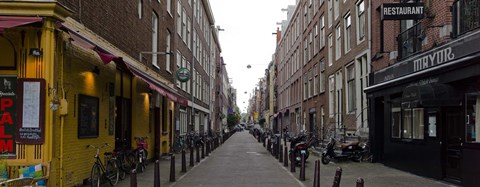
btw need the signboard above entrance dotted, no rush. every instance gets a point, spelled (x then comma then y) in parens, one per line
(401, 11)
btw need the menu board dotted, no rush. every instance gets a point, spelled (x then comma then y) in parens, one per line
(31, 111)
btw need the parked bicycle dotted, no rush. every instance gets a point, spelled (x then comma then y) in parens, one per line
(141, 153)
(125, 160)
(179, 144)
(110, 170)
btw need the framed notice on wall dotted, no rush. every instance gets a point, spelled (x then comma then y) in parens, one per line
(31, 111)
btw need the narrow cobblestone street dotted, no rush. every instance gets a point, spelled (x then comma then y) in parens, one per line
(242, 161)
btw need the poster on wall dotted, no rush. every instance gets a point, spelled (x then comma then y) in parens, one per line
(8, 122)
(31, 111)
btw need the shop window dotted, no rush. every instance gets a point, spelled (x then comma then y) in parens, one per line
(396, 120)
(407, 123)
(473, 110)
(413, 124)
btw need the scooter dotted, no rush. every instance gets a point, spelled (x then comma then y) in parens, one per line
(299, 146)
(353, 151)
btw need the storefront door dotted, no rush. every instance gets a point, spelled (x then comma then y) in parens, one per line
(453, 139)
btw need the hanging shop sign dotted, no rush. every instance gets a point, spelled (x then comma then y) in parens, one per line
(8, 113)
(401, 11)
(183, 74)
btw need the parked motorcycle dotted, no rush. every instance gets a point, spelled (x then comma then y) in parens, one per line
(353, 151)
(299, 145)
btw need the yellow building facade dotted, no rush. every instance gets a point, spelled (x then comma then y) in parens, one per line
(60, 95)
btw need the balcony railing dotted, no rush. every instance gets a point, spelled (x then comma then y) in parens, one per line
(410, 41)
(466, 16)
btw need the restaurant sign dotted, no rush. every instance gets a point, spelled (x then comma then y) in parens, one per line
(8, 120)
(442, 55)
(401, 11)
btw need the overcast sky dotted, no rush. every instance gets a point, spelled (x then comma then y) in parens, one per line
(247, 39)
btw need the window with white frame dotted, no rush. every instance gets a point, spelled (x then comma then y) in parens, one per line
(348, 31)
(330, 49)
(184, 26)
(316, 41)
(315, 79)
(330, 16)
(183, 122)
(336, 11)
(310, 46)
(305, 52)
(186, 64)
(169, 48)
(154, 39)
(322, 75)
(351, 94)
(188, 33)
(179, 65)
(169, 7)
(179, 18)
(305, 11)
(310, 83)
(338, 42)
(331, 93)
(140, 9)
(322, 31)
(360, 21)
(305, 88)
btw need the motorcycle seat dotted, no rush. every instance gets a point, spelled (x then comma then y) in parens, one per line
(345, 145)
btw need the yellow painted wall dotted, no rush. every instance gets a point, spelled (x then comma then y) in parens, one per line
(77, 159)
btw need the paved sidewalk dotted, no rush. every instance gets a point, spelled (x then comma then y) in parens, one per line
(242, 161)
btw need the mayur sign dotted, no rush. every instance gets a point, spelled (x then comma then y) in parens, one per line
(401, 11)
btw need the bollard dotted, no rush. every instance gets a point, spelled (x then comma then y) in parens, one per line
(191, 157)
(316, 174)
(263, 142)
(268, 146)
(207, 146)
(292, 162)
(360, 182)
(203, 151)
(285, 155)
(156, 174)
(184, 162)
(338, 177)
(172, 168)
(280, 154)
(133, 178)
(198, 153)
(302, 168)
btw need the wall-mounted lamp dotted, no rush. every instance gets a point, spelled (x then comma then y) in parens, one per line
(96, 70)
(36, 52)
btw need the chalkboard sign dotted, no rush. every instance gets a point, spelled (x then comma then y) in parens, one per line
(87, 116)
(31, 111)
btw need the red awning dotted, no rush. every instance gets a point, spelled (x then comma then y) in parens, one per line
(157, 86)
(15, 21)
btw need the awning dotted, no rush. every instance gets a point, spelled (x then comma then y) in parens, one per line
(157, 86)
(107, 57)
(430, 95)
(15, 21)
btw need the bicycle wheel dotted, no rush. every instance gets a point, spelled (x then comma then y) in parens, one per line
(95, 175)
(112, 173)
(120, 165)
(132, 161)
